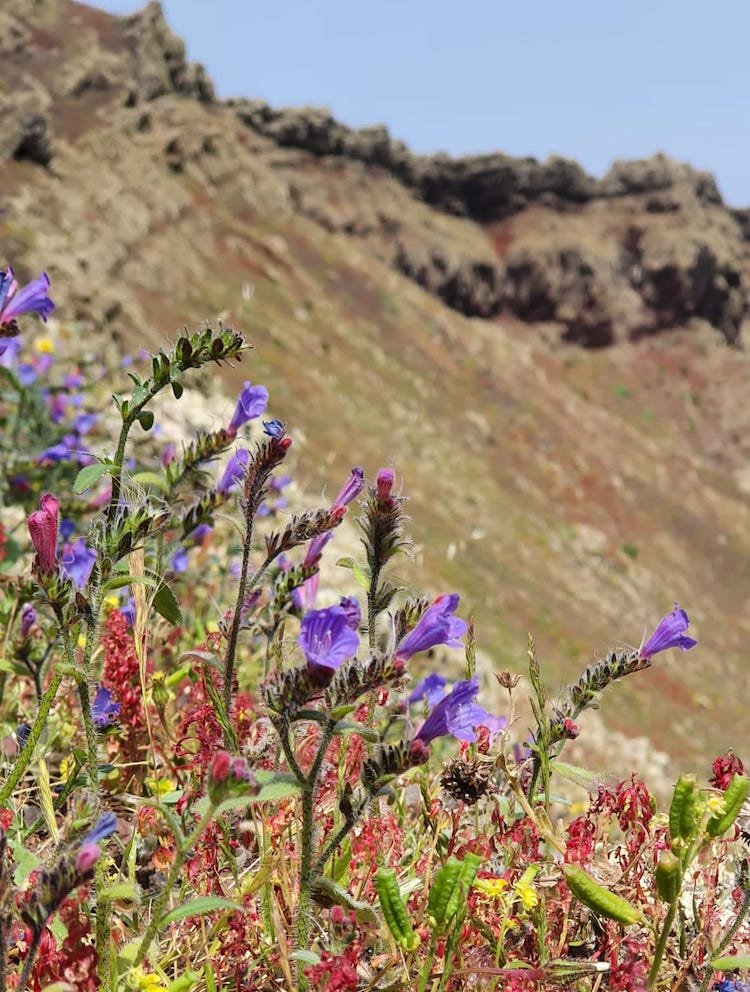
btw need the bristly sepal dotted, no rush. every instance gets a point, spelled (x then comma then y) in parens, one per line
(382, 523)
(303, 528)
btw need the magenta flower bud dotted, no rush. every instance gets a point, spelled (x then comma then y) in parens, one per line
(43, 530)
(384, 483)
(220, 767)
(86, 858)
(351, 488)
(669, 633)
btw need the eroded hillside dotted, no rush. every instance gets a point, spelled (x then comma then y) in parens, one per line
(428, 314)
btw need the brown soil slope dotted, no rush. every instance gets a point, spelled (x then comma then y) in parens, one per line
(427, 313)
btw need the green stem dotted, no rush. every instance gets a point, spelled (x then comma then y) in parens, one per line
(426, 972)
(661, 945)
(23, 759)
(172, 877)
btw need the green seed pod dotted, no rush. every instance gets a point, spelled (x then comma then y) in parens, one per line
(668, 877)
(734, 797)
(683, 821)
(394, 909)
(442, 890)
(469, 868)
(588, 891)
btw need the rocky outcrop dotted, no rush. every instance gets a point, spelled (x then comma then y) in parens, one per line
(647, 247)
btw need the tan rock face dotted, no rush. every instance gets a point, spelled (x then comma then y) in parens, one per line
(418, 313)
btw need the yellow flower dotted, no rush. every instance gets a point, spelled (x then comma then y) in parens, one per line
(716, 805)
(45, 346)
(160, 787)
(493, 888)
(526, 894)
(138, 979)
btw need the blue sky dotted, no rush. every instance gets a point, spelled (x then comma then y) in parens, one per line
(594, 80)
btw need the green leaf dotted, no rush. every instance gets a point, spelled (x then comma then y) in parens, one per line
(274, 791)
(361, 574)
(146, 419)
(184, 983)
(199, 907)
(151, 479)
(368, 734)
(115, 893)
(88, 476)
(732, 963)
(167, 606)
(178, 389)
(14, 667)
(306, 957)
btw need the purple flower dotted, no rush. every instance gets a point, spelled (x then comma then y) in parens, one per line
(277, 483)
(88, 853)
(28, 619)
(274, 429)
(315, 549)
(168, 454)
(234, 473)
(83, 422)
(179, 562)
(669, 633)
(106, 826)
(128, 611)
(201, 531)
(252, 402)
(67, 528)
(32, 298)
(351, 488)
(437, 625)
(104, 709)
(77, 562)
(304, 596)
(351, 607)
(458, 714)
(326, 637)
(431, 688)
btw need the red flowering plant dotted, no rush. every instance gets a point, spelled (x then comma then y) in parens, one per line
(284, 803)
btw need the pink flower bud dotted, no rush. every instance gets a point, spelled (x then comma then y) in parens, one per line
(384, 483)
(220, 767)
(87, 858)
(43, 530)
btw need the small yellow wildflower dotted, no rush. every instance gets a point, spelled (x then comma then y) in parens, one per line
(493, 888)
(716, 805)
(526, 894)
(112, 602)
(160, 787)
(45, 346)
(138, 979)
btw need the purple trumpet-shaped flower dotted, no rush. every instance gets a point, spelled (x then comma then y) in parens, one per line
(77, 562)
(437, 625)
(235, 470)
(669, 633)
(431, 688)
(28, 619)
(351, 488)
(353, 610)
(458, 714)
(326, 638)
(251, 403)
(31, 299)
(104, 710)
(88, 854)
(179, 561)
